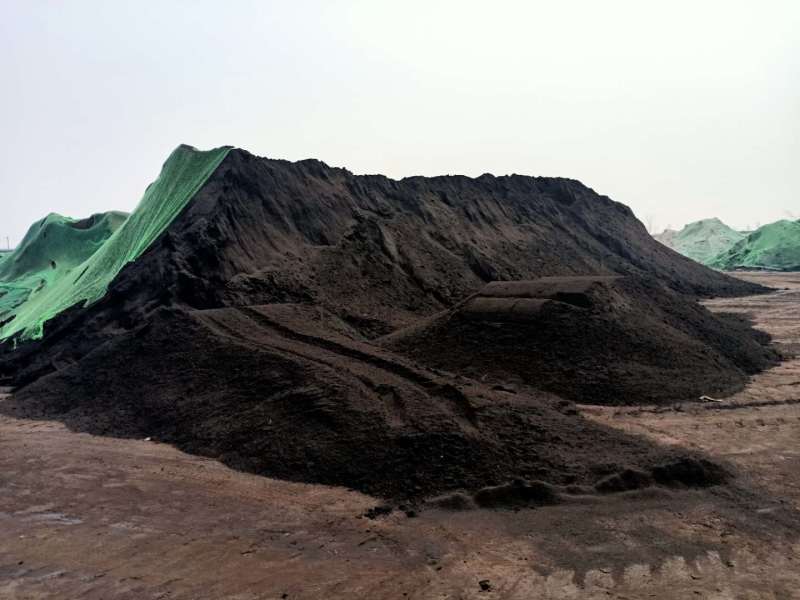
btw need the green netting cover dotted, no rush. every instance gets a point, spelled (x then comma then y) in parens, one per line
(775, 247)
(702, 240)
(33, 291)
(50, 250)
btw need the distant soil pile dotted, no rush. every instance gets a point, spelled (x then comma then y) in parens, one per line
(242, 314)
(773, 247)
(596, 340)
(702, 240)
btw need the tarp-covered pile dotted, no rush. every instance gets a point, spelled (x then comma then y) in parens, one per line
(63, 262)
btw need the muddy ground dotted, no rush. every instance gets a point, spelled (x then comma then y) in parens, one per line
(98, 517)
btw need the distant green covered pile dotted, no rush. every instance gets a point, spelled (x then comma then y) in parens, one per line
(775, 247)
(702, 240)
(50, 250)
(63, 262)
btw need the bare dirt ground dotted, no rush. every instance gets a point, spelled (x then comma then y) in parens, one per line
(95, 517)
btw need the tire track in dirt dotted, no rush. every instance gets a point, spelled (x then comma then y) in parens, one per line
(381, 375)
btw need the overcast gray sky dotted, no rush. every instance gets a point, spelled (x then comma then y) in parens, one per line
(682, 110)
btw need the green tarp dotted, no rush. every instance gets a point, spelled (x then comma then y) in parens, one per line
(59, 264)
(50, 250)
(775, 247)
(702, 240)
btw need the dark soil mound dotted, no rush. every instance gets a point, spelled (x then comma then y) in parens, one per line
(274, 390)
(597, 340)
(683, 472)
(244, 331)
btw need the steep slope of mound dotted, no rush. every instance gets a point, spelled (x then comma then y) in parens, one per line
(284, 390)
(702, 240)
(596, 340)
(774, 247)
(50, 250)
(87, 274)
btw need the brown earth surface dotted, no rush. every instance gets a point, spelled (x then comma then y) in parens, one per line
(99, 517)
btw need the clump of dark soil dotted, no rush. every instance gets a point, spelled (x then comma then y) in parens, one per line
(685, 471)
(624, 481)
(247, 332)
(689, 472)
(381, 510)
(596, 340)
(516, 493)
(678, 472)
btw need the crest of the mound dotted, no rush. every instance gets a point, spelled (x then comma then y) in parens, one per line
(84, 282)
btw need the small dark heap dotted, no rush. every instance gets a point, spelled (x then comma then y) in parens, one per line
(590, 339)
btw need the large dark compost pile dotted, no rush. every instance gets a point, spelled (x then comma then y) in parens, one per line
(302, 322)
